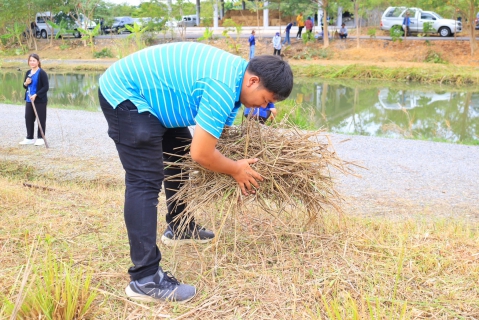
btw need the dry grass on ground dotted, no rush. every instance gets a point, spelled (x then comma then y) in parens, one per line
(371, 51)
(343, 267)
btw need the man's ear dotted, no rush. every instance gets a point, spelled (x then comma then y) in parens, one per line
(253, 80)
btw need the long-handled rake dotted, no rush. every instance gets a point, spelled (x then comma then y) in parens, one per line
(38, 120)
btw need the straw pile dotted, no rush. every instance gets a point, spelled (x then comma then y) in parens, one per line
(296, 166)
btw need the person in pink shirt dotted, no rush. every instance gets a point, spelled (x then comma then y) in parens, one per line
(309, 25)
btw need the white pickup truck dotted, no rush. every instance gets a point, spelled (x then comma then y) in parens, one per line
(394, 16)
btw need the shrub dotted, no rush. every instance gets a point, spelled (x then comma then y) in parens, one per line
(427, 27)
(308, 37)
(396, 33)
(104, 53)
(434, 57)
(148, 38)
(372, 32)
(207, 35)
(311, 53)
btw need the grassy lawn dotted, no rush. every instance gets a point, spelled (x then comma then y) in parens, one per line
(55, 236)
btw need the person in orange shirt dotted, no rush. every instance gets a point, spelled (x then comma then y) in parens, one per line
(300, 21)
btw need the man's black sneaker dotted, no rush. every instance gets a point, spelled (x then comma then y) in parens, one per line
(159, 287)
(194, 234)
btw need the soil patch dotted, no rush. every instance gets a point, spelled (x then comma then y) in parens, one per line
(408, 53)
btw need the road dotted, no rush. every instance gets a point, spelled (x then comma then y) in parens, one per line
(196, 32)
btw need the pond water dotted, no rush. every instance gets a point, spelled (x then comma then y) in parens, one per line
(406, 110)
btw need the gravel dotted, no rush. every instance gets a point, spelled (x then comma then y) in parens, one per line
(403, 177)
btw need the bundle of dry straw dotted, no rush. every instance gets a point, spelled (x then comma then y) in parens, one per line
(296, 166)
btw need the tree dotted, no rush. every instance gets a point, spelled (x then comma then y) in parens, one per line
(91, 33)
(137, 32)
(468, 8)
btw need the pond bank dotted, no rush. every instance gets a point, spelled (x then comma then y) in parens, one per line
(431, 74)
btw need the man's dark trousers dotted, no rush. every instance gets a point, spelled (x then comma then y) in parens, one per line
(142, 143)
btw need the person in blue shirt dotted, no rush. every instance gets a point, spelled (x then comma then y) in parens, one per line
(287, 32)
(149, 99)
(406, 23)
(36, 86)
(277, 44)
(261, 114)
(252, 42)
(343, 32)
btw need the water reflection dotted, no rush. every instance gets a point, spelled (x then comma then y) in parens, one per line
(352, 107)
(403, 99)
(67, 90)
(392, 110)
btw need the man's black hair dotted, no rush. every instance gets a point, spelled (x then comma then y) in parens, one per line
(274, 74)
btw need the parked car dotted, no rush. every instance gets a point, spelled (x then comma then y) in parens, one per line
(154, 24)
(142, 21)
(188, 21)
(171, 23)
(119, 24)
(393, 18)
(44, 30)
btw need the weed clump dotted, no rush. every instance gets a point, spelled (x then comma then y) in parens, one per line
(296, 166)
(314, 53)
(434, 57)
(103, 53)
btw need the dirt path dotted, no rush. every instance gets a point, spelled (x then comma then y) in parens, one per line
(404, 177)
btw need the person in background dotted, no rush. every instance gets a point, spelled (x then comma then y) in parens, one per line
(300, 23)
(406, 23)
(319, 35)
(33, 29)
(343, 32)
(287, 32)
(261, 114)
(148, 111)
(277, 44)
(36, 86)
(102, 26)
(309, 25)
(252, 42)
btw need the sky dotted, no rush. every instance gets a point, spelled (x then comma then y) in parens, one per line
(130, 2)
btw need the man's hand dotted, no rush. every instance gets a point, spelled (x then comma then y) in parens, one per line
(246, 177)
(274, 112)
(204, 152)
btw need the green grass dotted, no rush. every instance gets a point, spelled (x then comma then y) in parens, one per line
(56, 290)
(402, 264)
(443, 74)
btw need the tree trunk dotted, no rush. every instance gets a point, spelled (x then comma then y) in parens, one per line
(257, 13)
(325, 25)
(472, 27)
(358, 30)
(455, 19)
(198, 8)
(279, 15)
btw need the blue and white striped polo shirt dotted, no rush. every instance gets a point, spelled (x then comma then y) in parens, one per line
(182, 84)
